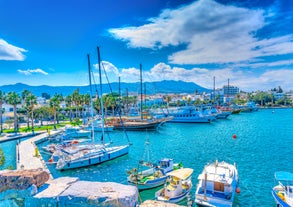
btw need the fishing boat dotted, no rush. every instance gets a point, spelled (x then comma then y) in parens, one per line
(155, 174)
(217, 186)
(95, 153)
(177, 187)
(283, 192)
(150, 175)
(188, 115)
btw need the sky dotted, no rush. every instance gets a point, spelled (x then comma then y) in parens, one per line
(248, 42)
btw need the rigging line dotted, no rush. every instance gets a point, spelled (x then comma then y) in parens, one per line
(119, 111)
(106, 77)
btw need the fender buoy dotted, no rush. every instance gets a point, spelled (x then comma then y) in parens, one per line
(234, 136)
(237, 190)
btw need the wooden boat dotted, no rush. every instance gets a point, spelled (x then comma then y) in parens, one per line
(283, 192)
(94, 154)
(135, 124)
(177, 187)
(217, 185)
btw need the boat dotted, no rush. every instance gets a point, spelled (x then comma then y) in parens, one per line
(136, 124)
(150, 175)
(283, 192)
(139, 123)
(95, 153)
(98, 126)
(177, 187)
(217, 113)
(73, 132)
(217, 186)
(155, 175)
(188, 115)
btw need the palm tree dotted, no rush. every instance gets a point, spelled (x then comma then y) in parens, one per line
(68, 101)
(2, 98)
(31, 101)
(76, 100)
(13, 98)
(24, 94)
(85, 100)
(55, 104)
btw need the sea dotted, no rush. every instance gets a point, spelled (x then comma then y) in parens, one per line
(263, 145)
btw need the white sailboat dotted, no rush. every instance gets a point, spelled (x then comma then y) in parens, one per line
(97, 153)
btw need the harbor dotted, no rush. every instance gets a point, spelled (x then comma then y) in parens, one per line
(259, 139)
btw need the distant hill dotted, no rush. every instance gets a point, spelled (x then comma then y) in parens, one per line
(151, 88)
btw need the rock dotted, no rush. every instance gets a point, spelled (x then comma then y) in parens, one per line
(22, 179)
(67, 191)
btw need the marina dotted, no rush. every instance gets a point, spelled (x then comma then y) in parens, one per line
(259, 139)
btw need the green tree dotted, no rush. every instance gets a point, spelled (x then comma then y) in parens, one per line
(55, 105)
(69, 101)
(13, 99)
(31, 101)
(76, 100)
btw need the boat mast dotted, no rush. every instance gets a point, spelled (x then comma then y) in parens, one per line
(101, 92)
(140, 67)
(91, 98)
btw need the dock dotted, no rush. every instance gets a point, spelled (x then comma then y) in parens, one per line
(27, 153)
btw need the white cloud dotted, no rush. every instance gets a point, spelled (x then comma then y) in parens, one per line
(10, 52)
(31, 71)
(212, 33)
(245, 80)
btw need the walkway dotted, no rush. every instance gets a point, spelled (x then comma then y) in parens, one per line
(28, 156)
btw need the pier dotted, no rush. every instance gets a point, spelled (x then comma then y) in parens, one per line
(27, 153)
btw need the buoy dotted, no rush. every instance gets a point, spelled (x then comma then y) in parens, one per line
(237, 190)
(234, 136)
(50, 160)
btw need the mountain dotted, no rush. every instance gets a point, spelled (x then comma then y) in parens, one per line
(151, 88)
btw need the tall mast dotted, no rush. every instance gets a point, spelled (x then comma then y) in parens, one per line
(101, 92)
(140, 66)
(91, 98)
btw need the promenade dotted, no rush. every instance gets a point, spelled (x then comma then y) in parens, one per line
(27, 153)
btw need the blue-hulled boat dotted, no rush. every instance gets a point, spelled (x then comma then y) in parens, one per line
(283, 192)
(217, 185)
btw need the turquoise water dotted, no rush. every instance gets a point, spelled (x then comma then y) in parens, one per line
(264, 144)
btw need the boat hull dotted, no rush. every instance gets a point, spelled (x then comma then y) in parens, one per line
(103, 155)
(175, 199)
(217, 185)
(280, 202)
(149, 184)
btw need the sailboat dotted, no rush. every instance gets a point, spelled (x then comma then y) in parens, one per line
(95, 154)
(139, 123)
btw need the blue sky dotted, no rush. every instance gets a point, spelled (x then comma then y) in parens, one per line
(249, 42)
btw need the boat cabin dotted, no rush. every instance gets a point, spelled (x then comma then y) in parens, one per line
(165, 165)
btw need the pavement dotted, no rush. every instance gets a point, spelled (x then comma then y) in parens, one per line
(27, 152)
